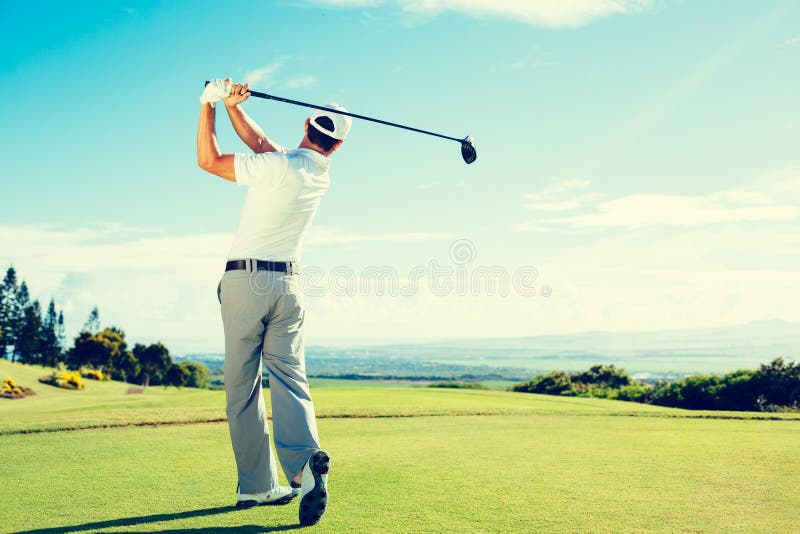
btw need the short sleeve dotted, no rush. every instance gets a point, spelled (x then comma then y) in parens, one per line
(258, 170)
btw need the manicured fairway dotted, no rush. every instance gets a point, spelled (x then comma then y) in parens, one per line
(527, 463)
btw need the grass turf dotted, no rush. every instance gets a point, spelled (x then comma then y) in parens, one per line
(531, 463)
(434, 474)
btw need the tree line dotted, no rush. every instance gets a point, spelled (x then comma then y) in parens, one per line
(773, 387)
(30, 337)
(26, 335)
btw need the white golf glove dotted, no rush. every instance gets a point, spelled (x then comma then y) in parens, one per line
(216, 90)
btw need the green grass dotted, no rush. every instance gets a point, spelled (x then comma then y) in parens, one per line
(348, 383)
(404, 460)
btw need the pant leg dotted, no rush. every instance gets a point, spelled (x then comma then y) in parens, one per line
(243, 317)
(293, 419)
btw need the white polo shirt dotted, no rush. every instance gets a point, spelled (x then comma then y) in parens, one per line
(285, 189)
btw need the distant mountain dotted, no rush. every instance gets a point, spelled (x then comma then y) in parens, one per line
(773, 337)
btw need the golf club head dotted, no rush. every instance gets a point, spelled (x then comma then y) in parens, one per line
(468, 150)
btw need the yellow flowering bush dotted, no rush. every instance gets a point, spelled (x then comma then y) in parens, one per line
(11, 390)
(64, 379)
(93, 374)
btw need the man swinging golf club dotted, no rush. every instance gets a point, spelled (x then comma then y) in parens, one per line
(262, 303)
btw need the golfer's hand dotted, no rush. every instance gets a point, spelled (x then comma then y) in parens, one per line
(239, 93)
(216, 90)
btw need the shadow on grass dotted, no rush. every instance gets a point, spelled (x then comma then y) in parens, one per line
(154, 518)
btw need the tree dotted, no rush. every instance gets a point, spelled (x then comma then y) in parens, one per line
(9, 310)
(738, 391)
(92, 324)
(177, 375)
(27, 348)
(604, 376)
(125, 366)
(154, 360)
(97, 350)
(198, 374)
(779, 382)
(61, 335)
(2, 324)
(16, 318)
(49, 346)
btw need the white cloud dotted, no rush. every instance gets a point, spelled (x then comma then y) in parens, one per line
(266, 77)
(552, 197)
(262, 74)
(792, 41)
(545, 13)
(664, 210)
(557, 188)
(777, 200)
(301, 81)
(723, 258)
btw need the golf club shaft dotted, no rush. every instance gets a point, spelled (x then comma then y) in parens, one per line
(266, 96)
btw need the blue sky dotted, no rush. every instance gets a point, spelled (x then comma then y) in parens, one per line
(641, 155)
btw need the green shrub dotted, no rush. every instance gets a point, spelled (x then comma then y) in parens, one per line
(773, 387)
(197, 374)
(554, 383)
(11, 390)
(636, 392)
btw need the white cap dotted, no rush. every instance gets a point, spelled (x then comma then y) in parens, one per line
(341, 123)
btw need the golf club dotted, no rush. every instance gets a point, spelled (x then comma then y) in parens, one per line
(467, 144)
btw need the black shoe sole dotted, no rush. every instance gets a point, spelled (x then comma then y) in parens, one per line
(249, 504)
(314, 503)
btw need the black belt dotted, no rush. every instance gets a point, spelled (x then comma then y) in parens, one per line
(260, 265)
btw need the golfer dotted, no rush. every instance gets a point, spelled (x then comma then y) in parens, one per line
(262, 303)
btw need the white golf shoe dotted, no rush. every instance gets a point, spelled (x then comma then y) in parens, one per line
(275, 497)
(314, 488)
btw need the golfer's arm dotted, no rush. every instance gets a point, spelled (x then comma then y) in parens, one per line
(250, 132)
(209, 157)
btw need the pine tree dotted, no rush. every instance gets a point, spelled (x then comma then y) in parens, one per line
(17, 318)
(2, 325)
(92, 324)
(61, 336)
(49, 347)
(29, 334)
(8, 310)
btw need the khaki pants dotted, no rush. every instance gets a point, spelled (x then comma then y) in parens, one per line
(262, 314)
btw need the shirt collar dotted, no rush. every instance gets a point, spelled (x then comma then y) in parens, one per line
(316, 157)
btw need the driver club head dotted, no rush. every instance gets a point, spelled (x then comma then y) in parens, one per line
(468, 150)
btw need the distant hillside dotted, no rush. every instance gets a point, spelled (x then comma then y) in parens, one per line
(751, 339)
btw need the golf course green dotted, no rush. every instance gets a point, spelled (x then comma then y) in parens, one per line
(405, 459)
